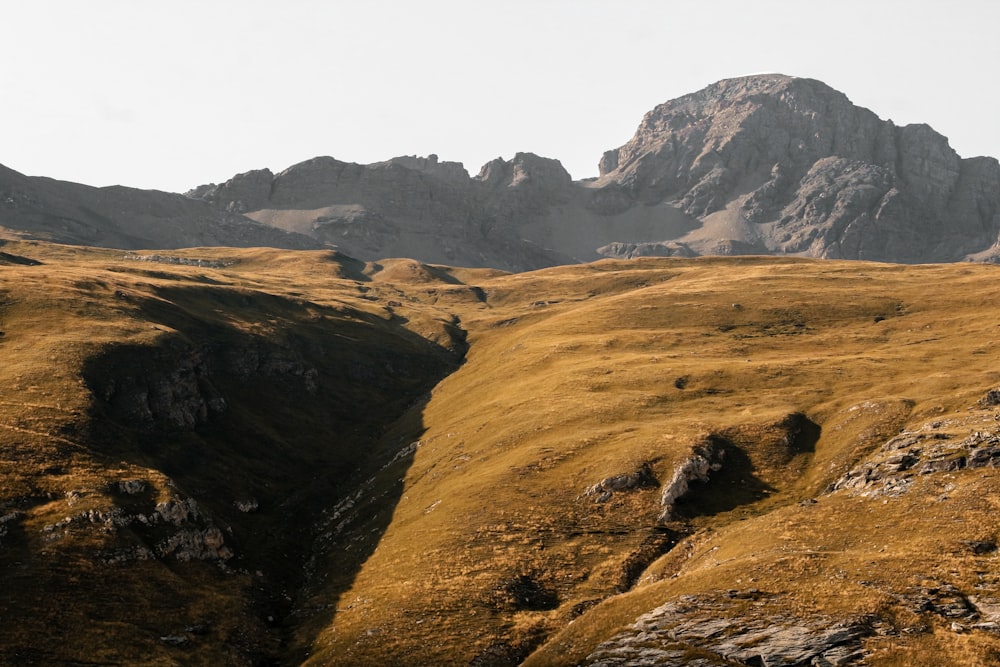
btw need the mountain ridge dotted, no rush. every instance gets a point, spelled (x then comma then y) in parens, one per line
(116, 216)
(765, 164)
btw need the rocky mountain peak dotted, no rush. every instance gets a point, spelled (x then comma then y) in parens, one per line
(454, 171)
(746, 125)
(525, 169)
(789, 165)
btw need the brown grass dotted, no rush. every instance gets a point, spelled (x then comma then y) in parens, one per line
(480, 540)
(570, 378)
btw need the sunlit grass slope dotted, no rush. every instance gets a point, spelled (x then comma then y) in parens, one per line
(799, 370)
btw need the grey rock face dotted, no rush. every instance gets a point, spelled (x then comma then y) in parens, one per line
(705, 459)
(246, 192)
(794, 167)
(406, 207)
(188, 545)
(606, 488)
(195, 537)
(668, 634)
(633, 250)
(168, 390)
(939, 446)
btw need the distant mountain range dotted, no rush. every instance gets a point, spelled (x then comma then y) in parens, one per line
(766, 164)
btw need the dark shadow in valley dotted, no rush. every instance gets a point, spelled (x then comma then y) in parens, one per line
(287, 422)
(734, 484)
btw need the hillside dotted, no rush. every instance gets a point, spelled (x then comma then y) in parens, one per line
(173, 427)
(250, 457)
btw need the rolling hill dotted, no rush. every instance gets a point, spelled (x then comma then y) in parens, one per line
(261, 456)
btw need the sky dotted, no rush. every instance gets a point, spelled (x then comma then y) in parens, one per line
(171, 95)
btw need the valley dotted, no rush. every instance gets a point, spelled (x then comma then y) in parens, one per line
(251, 456)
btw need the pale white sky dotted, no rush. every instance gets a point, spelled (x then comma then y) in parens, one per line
(170, 95)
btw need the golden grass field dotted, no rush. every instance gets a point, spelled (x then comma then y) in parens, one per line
(419, 441)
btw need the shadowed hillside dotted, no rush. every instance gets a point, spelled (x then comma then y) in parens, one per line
(174, 429)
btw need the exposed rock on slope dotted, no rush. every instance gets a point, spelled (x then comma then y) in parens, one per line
(694, 631)
(704, 459)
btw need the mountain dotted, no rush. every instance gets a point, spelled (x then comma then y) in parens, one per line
(776, 164)
(283, 456)
(406, 207)
(121, 217)
(766, 164)
(227, 456)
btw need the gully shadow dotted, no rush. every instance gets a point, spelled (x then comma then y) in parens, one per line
(270, 438)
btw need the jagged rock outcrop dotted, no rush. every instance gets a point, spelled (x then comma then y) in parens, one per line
(246, 192)
(633, 250)
(525, 186)
(939, 446)
(187, 532)
(186, 545)
(405, 207)
(453, 171)
(606, 488)
(705, 459)
(169, 389)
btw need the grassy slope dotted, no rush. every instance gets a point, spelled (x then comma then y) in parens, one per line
(312, 364)
(574, 375)
(454, 526)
